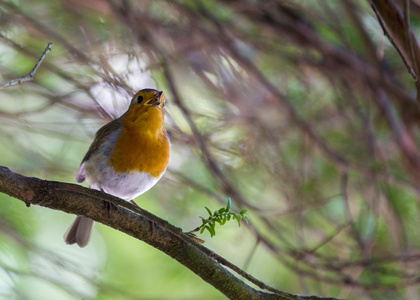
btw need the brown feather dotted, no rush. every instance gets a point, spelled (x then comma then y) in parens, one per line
(100, 137)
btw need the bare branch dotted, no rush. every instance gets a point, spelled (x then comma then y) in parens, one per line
(30, 75)
(165, 237)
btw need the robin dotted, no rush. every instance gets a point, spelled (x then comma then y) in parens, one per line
(127, 157)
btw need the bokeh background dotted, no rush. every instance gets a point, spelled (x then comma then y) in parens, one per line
(302, 112)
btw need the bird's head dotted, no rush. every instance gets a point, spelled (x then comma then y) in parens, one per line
(148, 98)
(145, 113)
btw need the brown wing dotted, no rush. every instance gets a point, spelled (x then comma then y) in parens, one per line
(100, 137)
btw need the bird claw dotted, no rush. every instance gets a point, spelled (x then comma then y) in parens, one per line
(109, 207)
(152, 227)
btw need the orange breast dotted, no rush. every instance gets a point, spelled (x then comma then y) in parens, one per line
(143, 145)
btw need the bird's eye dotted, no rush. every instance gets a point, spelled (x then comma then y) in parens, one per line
(139, 99)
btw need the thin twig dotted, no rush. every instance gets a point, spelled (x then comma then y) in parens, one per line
(30, 75)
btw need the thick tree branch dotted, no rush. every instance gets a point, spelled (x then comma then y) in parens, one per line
(165, 237)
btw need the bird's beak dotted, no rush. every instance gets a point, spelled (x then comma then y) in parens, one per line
(156, 100)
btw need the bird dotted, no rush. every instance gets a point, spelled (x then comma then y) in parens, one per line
(127, 157)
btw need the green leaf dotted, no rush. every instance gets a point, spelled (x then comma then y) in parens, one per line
(221, 216)
(212, 225)
(208, 210)
(211, 229)
(229, 203)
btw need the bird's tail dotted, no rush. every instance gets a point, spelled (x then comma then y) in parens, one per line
(79, 232)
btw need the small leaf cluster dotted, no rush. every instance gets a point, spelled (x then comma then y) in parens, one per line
(221, 216)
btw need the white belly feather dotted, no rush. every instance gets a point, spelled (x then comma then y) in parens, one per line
(101, 176)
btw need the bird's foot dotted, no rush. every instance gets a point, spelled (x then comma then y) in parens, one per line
(109, 207)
